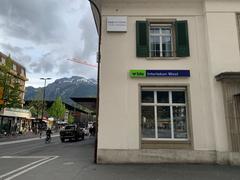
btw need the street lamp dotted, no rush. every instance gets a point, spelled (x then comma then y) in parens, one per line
(43, 98)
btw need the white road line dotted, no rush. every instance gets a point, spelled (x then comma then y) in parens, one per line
(29, 149)
(23, 140)
(28, 169)
(23, 167)
(25, 157)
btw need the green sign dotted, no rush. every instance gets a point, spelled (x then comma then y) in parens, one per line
(158, 73)
(137, 73)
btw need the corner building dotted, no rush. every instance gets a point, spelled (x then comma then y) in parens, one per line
(169, 81)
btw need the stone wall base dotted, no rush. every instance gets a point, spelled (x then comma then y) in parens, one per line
(105, 156)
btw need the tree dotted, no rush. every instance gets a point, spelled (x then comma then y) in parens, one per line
(57, 110)
(9, 85)
(70, 119)
(14, 100)
(36, 105)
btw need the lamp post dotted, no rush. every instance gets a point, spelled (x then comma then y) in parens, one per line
(98, 73)
(43, 99)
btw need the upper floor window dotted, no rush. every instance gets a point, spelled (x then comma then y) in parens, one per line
(14, 67)
(22, 71)
(3, 60)
(162, 38)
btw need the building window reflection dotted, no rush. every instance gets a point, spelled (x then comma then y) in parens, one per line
(164, 113)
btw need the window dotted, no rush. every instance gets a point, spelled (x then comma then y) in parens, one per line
(14, 67)
(3, 60)
(22, 71)
(164, 114)
(162, 38)
(238, 23)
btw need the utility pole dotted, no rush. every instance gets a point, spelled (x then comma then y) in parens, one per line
(43, 98)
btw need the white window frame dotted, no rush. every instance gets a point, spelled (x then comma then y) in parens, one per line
(155, 104)
(160, 35)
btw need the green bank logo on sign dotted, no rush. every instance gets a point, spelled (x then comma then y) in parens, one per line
(159, 73)
(137, 73)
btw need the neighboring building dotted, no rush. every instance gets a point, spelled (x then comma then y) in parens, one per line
(88, 106)
(169, 81)
(14, 120)
(18, 72)
(79, 114)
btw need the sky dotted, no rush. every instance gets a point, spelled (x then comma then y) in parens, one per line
(42, 34)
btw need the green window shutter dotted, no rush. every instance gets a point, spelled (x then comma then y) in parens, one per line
(142, 39)
(182, 43)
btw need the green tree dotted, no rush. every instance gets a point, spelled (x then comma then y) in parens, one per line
(57, 110)
(10, 86)
(70, 119)
(36, 104)
(15, 100)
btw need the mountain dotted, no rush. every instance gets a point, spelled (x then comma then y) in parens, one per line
(65, 87)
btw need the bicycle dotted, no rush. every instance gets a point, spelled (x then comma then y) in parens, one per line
(48, 139)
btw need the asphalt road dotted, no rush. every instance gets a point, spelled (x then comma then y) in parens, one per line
(35, 160)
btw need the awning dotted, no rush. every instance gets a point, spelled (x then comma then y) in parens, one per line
(228, 76)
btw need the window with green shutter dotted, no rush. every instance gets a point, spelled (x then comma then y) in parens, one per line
(162, 39)
(142, 39)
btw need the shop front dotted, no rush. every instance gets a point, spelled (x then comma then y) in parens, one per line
(15, 121)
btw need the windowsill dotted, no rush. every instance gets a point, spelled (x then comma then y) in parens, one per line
(164, 58)
(166, 144)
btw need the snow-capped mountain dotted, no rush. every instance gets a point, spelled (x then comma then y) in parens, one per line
(65, 87)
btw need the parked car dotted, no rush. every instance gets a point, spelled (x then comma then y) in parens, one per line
(71, 132)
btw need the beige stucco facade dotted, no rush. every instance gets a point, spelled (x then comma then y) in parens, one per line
(214, 49)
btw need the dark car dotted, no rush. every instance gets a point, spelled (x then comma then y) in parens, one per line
(71, 132)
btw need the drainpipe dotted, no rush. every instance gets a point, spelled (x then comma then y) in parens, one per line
(98, 74)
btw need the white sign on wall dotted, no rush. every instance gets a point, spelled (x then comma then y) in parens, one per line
(117, 24)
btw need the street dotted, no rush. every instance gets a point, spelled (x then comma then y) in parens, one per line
(74, 160)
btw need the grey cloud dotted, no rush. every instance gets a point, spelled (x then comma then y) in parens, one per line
(64, 68)
(89, 37)
(43, 26)
(44, 65)
(33, 20)
(11, 48)
(17, 53)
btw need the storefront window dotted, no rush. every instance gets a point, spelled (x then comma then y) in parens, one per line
(147, 97)
(148, 122)
(164, 121)
(164, 113)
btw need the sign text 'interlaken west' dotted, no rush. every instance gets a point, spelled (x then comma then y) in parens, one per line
(159, 73)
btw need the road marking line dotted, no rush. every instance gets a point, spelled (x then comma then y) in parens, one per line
(24, 157)
(28, 169)
(24, 140)
(23, 167)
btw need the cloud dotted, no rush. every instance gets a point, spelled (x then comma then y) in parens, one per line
(89, 37)
(11, 48)
(45, 64)
(19, 55)
(33, 20)
(42, 34)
